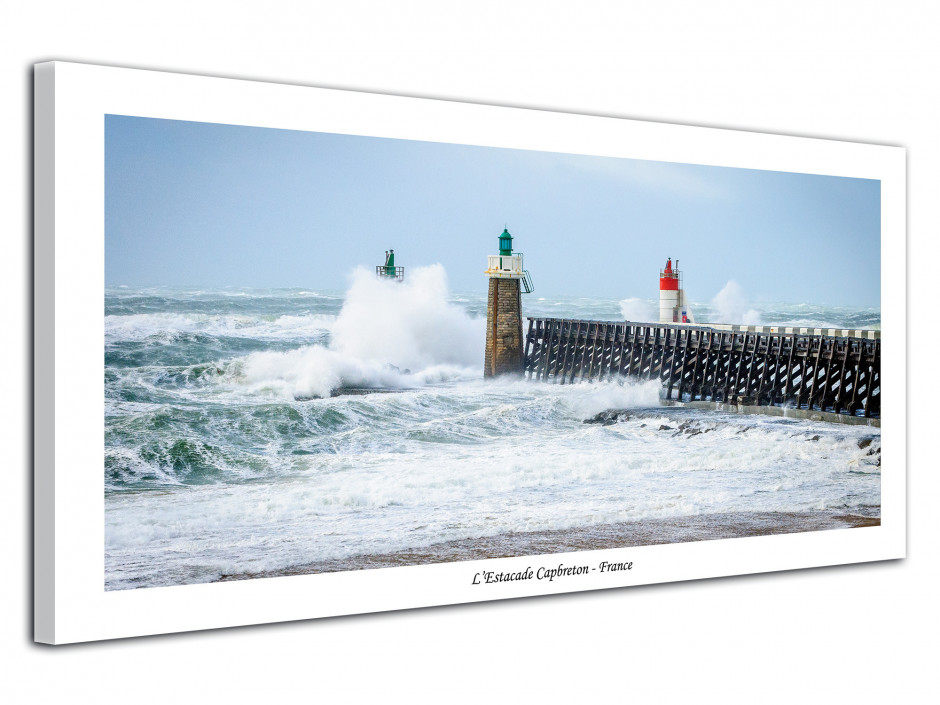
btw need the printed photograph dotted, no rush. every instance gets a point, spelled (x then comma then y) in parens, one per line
(330, 352)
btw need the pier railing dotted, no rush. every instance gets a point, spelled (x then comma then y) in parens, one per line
(697, 363)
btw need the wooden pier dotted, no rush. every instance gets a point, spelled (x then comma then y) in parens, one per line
(697, 363)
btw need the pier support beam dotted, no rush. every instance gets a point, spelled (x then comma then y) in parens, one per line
(742, 368)
(504, 343)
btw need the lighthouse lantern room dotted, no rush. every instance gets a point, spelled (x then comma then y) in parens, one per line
(505, 243)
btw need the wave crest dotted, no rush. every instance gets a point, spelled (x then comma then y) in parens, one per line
(388, 334)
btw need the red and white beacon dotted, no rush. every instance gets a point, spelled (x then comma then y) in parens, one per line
(673, 307)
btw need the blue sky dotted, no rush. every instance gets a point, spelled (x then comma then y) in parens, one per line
(207, 205)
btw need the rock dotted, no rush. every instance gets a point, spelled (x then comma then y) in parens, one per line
(814, 438)
(864, 442)
(665, 428)
(608, 418)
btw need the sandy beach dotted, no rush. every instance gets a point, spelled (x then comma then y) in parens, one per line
(621, 535)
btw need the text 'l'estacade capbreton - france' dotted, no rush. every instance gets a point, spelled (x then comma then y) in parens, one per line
(549, 574)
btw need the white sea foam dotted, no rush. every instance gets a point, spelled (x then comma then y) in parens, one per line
(586, 400)
(409, 491)
(168, 327)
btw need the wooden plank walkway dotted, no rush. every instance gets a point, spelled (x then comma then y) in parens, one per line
(696, 363)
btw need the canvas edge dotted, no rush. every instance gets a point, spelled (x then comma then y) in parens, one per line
(899, 172)
(44, 353)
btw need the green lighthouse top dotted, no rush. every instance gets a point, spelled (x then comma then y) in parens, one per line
(505, 243)
(389, 270)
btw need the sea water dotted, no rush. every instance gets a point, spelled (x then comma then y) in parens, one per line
(239, 439)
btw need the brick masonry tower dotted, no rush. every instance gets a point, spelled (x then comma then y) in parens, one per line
(508, 281)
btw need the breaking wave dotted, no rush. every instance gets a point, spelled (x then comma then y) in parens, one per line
(388, 334)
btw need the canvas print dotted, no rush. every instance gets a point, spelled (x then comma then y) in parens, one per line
(331, 352)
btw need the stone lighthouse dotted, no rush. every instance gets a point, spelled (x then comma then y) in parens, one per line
(508, 281)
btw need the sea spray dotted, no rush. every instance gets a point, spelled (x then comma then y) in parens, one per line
(587, 400)
(408, 324)
(639, 310)
(388, 334)
(731, 306)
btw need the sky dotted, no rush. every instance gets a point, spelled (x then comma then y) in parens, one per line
(209, 205)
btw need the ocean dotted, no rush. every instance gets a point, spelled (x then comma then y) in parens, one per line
(251, 433)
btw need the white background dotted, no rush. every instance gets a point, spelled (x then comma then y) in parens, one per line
(855, 71)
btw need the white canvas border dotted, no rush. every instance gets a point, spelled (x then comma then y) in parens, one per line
(71, 101)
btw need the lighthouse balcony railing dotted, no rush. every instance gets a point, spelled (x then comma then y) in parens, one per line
(387, 272)
(505, 265)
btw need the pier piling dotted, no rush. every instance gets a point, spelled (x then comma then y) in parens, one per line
(836, 371)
